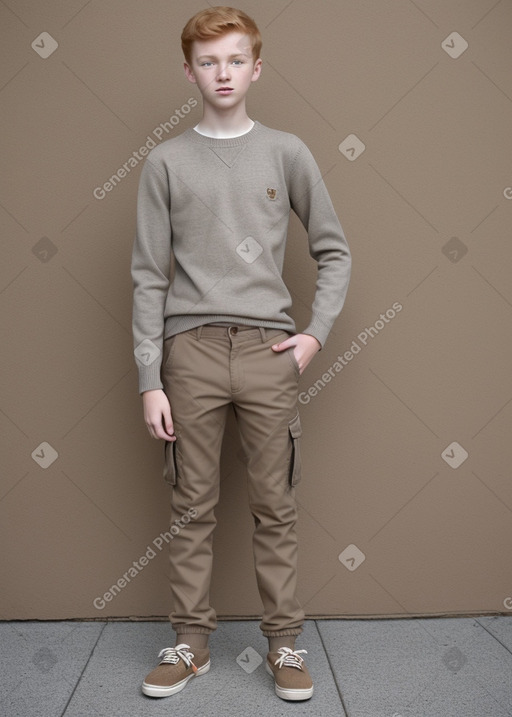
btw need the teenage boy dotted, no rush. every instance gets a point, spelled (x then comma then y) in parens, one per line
(218, 197)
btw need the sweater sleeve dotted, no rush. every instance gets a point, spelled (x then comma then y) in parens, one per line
(328, 246)
(150, 267)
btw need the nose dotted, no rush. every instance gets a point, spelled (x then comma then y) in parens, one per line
(223, 73)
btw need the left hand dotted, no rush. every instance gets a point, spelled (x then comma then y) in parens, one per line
(305, 347)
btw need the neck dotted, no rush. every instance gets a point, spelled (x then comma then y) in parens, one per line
(230, 121)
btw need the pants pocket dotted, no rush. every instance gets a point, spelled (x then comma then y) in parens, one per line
(168, 350)
(293, 361)
(170, 463)
(295, 430)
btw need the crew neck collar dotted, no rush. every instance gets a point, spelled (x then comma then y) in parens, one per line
(224, 141)
(240, 134)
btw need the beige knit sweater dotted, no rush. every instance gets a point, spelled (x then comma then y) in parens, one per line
(212, 221)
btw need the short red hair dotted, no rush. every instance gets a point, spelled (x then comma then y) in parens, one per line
(218, 21)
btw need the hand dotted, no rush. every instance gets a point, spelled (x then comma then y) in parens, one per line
(305, 347)
(157, 415)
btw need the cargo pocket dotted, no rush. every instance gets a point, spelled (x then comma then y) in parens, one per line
(295, 430)
(170, 464)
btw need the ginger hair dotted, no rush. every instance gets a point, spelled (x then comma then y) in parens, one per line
(216, 22)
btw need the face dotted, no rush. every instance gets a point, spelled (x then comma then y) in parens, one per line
(223, 69)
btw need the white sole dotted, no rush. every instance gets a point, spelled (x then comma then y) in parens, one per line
(159, 691)
(289, 694)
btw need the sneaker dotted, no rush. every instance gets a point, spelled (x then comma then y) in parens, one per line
(175, 670)
(291, 677)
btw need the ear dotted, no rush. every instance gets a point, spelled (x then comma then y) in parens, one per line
(257, 69)
(188, 73)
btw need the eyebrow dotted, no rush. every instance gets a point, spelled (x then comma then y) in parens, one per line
(213, 57)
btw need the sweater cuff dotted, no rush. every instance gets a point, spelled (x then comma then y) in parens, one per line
(318, 329)
(149, 377)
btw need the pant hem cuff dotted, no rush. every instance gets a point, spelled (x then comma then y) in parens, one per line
(281, 633)
(192, 629)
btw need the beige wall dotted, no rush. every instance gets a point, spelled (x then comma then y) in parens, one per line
(427, 210)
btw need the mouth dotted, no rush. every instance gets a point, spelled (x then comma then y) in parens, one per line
(224, 90)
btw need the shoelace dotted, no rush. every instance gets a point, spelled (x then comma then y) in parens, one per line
(172, 655)
(290, 658)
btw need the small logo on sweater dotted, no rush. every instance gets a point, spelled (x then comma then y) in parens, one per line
(271, 193)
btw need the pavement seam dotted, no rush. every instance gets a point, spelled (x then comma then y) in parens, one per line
(83, 671)
(338, 688)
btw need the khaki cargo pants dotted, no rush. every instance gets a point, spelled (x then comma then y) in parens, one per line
(204, 371)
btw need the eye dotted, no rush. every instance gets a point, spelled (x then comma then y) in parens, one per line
(238, 62)
(206, 63)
